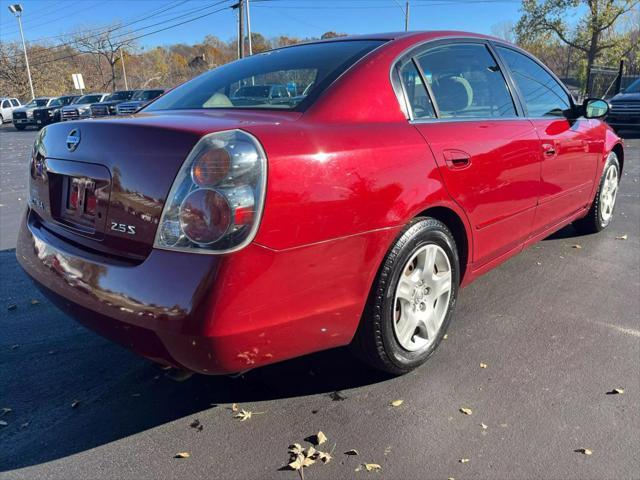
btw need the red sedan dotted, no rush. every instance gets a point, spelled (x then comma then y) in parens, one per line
(318, 195)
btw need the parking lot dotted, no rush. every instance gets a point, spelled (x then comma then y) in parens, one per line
(557, 328)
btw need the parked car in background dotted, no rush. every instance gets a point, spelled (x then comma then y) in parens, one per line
(7, 106)
(51, 114)
(138, 100)
(81, 108)
(256, 95)
(625, 108)
(23, 116)
(108, 105)
(414, 164)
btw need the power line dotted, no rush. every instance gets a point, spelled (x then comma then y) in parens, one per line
(141, 36)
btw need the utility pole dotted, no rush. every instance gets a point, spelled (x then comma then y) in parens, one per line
(240, 28)
(406, 16)
(249, 30)
(124, 71)
(16, 9)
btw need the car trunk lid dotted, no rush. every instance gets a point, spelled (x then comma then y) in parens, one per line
(103, 184)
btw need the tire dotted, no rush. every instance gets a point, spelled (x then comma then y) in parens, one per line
(378, 340)
(601, 212)
(1, 120)
(20, 127)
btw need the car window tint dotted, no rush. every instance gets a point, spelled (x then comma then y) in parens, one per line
(5, 104)
(543, 95)
(15, 102)
(466, 82)
(417, 96)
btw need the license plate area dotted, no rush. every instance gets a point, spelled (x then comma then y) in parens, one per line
(79, 196)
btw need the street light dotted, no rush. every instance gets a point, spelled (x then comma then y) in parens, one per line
(16, 9)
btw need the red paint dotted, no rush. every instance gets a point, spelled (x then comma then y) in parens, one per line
(343, 178)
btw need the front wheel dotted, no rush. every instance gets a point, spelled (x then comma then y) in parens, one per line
(412, 299)
(601, 211)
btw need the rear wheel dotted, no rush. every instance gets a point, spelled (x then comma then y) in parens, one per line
(601, 211)
(412, 299)
(19, 127)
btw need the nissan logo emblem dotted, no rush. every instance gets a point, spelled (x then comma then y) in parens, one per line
(73, 139)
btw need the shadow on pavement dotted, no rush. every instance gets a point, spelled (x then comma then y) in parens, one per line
(49, 361)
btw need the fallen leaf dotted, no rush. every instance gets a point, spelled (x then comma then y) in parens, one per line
(182, 455)
(243, 415)
(75, 403)
(234, 407)
(12, 306)
(14, 347)
(351, 452)
(576, 246)
(337, 396)
(320, 438)
(446, 335)
(464, 460)
(622, 237)
(296, 449)
(371, 467)
(324, 457)
(466, 411)
(584, 451)
(396, 403)
(3, 423)
(5, 410)
(483, 365)
(196, 424)
(25, 425)
(616, 391)
(35, 302)
(484, 427)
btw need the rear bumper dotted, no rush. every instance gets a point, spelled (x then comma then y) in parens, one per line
(211, 314)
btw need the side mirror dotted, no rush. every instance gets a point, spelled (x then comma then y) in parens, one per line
(595, 108)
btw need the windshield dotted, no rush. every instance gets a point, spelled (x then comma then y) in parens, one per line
(37, 102)
(146, 94)
(89, 99)
(278, 79)
(124, 95)
(634, 87)
(57, 102)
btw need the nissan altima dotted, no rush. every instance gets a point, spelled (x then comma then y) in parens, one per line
(217, 233)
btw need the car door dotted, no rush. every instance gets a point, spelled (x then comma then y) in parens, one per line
(485, 150)
(5, 108)
(568, 153)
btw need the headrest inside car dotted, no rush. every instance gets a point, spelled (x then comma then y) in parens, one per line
(453, 94)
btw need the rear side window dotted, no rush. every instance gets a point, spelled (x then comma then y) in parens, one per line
(419, 101)
(466, 82)
(277, 79)
(15, 102)
(5, 104)
(542, 94)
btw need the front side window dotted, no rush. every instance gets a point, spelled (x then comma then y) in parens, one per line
(542, 94)
(5, 104)
(466, 82)
(90, 99)
(416, 93)
(301, 71)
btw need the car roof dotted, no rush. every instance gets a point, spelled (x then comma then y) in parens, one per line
(420, 35)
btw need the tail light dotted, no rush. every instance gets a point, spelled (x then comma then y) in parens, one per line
(216, 200)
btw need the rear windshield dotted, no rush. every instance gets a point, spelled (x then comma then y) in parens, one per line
(279, 79)
(89, 99)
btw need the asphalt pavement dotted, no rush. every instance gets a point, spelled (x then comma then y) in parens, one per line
(557, 327)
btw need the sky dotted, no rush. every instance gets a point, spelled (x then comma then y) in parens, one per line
(52, 20)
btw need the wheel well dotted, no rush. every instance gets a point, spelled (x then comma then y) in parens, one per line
(619, 151)
(456, 226)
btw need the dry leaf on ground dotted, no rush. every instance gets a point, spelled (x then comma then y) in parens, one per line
(182, 455)
(584, 451)
(622, 237)
(396, 403)
(616, 391)
(3, 423)
(234, 407)
(369, 467)
(351, 452)
(484, 427)
(466, 411)
(5, 410)
(483, 365)
(464, 460)
(320, 438)
(35, 302)
(75, 403)
(197, 425)
(576, 246)
(324, 457)
(243, 415)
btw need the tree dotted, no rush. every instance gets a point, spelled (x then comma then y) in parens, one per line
(588, 35)
(104, 47)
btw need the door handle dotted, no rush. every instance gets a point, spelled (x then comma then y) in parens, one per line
(548, 149)
(456, 159)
